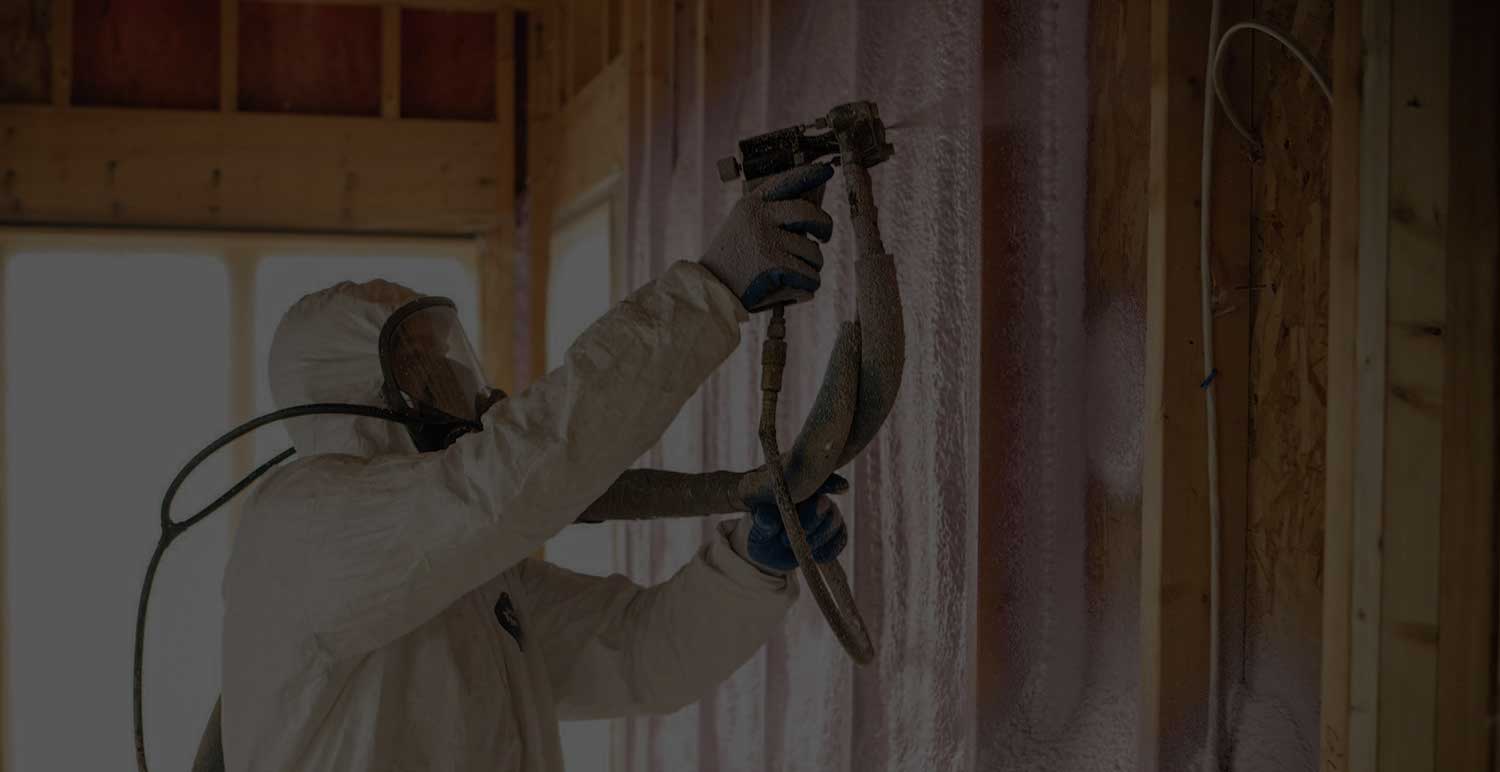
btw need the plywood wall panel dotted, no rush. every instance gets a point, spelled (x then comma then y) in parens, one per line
(320, 59)
(146, 53)
(447, 65)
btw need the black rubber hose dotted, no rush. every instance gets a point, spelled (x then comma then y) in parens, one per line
(171, 529)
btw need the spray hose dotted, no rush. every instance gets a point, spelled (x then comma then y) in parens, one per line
(171, 529)
(829, 585)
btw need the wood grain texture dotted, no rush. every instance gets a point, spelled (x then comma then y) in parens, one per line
(213, 170)
(149, 53)
(1415, 322)
(587, 44)
(1342, 430)
(592, 136)
(1287, 293)
(1175, 539)
(541, 148)
(1232, 269)
(313, 59)
(25, 52)
(447, 66)
(1375, 151)
(1467, 589)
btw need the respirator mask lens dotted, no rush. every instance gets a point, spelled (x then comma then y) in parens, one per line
(430, 368)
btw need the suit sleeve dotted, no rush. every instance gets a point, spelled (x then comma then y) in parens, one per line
(615, 648)
(384, 544)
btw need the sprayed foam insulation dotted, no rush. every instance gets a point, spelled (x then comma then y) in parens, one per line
(996, 569)
(799, 704)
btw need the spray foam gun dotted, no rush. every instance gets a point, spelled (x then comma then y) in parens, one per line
(859, 387)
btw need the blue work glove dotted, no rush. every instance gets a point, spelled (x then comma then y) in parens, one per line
(763, 248)
(768, 546)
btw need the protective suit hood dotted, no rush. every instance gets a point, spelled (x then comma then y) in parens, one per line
(326, 349)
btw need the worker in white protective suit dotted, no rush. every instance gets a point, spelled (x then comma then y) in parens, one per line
(382, 610)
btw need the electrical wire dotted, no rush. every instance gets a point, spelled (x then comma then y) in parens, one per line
(1205, 182)
(1292, 47)
(1215, 73)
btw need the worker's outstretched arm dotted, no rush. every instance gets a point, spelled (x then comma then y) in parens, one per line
(379, 546)
(614, 648)
(387, 543)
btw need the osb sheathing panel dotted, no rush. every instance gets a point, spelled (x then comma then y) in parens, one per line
(1275, 708)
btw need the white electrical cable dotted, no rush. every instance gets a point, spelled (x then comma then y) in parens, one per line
(1280, 37)
(1205, 181)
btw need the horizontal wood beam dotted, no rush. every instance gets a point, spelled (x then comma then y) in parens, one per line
(111, 167)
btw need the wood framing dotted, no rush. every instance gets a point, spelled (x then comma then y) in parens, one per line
(592, 143)
(248, 171)
(587, 43)
(497, 255)
(1341, 613)
(1466, 651)
(1175, 566)
(1415, 319)
(543, 119)
(1410, 599)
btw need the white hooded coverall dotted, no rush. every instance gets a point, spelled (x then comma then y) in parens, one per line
(365, 588)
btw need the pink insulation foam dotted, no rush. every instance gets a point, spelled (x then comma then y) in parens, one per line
(1034, 127)
(915, 507)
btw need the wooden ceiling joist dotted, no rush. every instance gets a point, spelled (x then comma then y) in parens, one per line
(163, 168)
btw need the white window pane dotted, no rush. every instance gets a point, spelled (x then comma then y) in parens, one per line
(117, 372)
(283, 280)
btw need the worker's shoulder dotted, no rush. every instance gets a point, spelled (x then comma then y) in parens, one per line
(309, 478)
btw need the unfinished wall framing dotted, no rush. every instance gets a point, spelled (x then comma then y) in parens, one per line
(246, 114)
(1410, 603)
